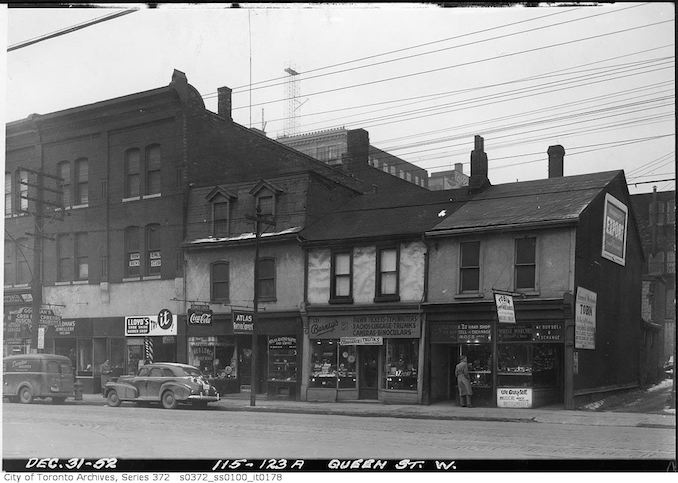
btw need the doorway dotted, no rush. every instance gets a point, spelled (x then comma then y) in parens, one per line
(368, 377)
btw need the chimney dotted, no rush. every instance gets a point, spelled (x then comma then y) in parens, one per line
(556, 154)
(459, 167)
(224, 102)
(478, 178)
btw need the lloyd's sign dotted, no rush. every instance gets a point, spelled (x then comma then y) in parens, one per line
(243, 322)
(165, 323)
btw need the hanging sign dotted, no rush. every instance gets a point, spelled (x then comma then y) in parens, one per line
(505, 311)
(149, 325)
(615, 221)
(585, 319)
(199, 316)
(243, 322)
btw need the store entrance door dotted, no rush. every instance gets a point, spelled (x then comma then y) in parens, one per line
(368, 378)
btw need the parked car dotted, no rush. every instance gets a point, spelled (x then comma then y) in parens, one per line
(33, 376)
(166, 382)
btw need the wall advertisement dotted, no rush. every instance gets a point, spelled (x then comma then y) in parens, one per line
(514, 397)
(585, 319)
(615, 226)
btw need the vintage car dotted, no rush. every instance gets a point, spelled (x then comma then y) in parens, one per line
(166, 382)
(36, 376)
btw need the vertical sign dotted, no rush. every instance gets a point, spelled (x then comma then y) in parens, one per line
(585, 319)
(505, 312)
(615, 219)
(41, 337)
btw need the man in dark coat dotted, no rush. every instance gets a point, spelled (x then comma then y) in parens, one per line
(463, 382)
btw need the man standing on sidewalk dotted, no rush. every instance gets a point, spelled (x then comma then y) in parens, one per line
(463, 382)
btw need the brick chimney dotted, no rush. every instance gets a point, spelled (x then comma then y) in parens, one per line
(556, 154)
(357, 150)
(478, 178)
(224, 102)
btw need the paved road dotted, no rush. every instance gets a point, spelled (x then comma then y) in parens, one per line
(135, 432)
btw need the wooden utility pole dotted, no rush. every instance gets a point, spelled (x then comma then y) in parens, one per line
(258, 219)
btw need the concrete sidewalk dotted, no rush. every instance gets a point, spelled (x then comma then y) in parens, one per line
(442, 411)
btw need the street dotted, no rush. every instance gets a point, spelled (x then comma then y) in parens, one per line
(45, 430)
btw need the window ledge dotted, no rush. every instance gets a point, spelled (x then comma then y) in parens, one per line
(341, 300)
(268, 299)
(529, 293)
(469, 296)
(133, 198)
(151, 277)
(62, 283)
(131, 279)
(80, 282)
(154, 195)
(16, 215)
(387, 298)
(77, 207)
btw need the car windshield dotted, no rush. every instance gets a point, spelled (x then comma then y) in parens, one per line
(191, 371)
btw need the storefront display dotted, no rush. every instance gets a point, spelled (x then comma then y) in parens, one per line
(282, 366)
(402, 360)
(324, 363)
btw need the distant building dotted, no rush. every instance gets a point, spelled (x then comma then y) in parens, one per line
(450, 179)
(333, 145)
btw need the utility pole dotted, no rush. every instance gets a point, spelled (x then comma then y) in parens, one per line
(258, 219)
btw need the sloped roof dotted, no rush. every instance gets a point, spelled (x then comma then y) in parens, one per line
(385, 215)
(541, 201)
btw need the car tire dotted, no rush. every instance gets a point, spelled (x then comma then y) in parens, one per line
(25, 395)
(168, 400)
(58, 400)
(112, 399)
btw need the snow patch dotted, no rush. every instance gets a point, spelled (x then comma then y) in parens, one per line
(247, 236)
(662, 385)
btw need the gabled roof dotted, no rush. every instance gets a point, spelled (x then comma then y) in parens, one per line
(382, 215)
(544, 201)
(266, 184)
(220, 190)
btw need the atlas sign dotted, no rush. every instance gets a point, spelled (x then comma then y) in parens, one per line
(243, 322)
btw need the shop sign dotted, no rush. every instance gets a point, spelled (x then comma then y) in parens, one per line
(41, 337)
(148, 325)
(243, 322)
(361, 341)
(403, 326)
(17, 298)
(585, 319)
(25, 316)
(199, 316)
(615, 221)
(473, 332)
(282, 343)
(65, 328)
(514, 397)
(505, 311)
(548, 332)
(514, 333)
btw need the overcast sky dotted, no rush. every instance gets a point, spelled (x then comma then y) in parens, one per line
(420, 79)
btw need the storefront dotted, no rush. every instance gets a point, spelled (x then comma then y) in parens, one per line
(218, 345)
(369, 357)
(523, 367)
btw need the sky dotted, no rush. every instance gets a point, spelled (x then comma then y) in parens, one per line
(422, 80)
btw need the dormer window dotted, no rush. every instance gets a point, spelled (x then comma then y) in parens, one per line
(265, 204)
(221, 200)
(266, 195)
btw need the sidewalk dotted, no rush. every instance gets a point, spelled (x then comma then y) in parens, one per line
(442, 411)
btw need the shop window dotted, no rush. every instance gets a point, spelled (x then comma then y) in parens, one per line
(387, 275)
(82, 182)
(153, 164)
(525, 268)
(135, 354)
(346, 369)
(470, 267)
(324, 363)
(153, 252)
(220, 282)
(67, 347)
(133, 253)
(282, 359)
(215, 356)
(116, 356)
(479, 358)
(342, 278)
(132, 174)
(529, 365)
(84, 357)
(402, 361)
(266, 279)
(81, 257)
(8, 193)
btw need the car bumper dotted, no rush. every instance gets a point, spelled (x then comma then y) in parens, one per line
(203, 398)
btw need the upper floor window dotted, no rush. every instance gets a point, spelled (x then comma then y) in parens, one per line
(81, 180)
(469, 268)
(81, 257)
(143, 174)
(220, 218)
(133, 252)
(220, 282)
(525, 268)
(266, 194)
(64, 172)
(387, 274)
(72, 257)
(153, 251)
(23, 190)
(265, 205)
(8, 193)
(18, 255)
(342, 277)
(266, 279)
(143, 244)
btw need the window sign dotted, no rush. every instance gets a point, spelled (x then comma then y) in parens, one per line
(615, 221)
(585, 319)
(514, 397)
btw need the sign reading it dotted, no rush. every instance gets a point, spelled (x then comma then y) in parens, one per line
(505, 311)
(243, 322)
(514, 397)
(585, 319)
(149, 325)
(615, 221)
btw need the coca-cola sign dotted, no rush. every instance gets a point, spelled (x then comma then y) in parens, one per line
(199, 317)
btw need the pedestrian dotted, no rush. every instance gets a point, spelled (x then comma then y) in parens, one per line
(463, 382)
(106, 372)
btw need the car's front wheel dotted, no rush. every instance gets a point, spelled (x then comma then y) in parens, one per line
(168, 400)
(25, 395)
(113, 399)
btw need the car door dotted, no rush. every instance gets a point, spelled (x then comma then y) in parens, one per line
(153, 383)
(140, 381)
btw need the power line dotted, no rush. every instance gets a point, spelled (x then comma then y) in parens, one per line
(69, 30)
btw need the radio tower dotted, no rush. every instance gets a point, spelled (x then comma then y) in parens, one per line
(292, 95)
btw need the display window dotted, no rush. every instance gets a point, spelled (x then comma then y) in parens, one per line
(401, 365)
(282, 359)
(346, 371)
(215, 356)
(324, 363)
(479, 358)
(529, 365)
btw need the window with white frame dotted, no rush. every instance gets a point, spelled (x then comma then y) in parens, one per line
(387, 274)
(342, 274)
(469, 268)
(525, 263)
